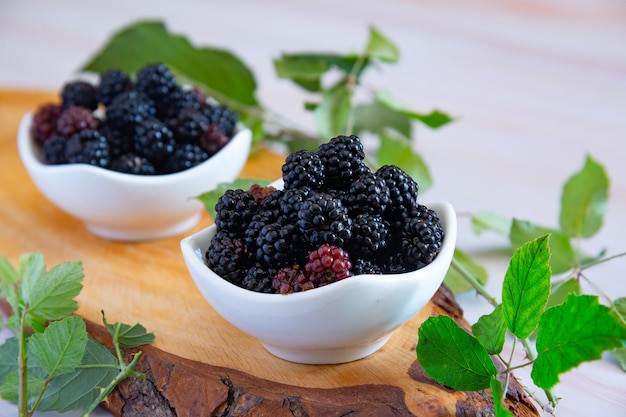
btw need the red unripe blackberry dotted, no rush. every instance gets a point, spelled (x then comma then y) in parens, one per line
(328, 264)
(74, 119)
(291, 279)
(45, 122)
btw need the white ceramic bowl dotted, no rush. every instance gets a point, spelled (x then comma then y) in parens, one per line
(129, 207)
(340, 322)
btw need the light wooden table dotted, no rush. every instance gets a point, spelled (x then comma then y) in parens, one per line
(536, 87)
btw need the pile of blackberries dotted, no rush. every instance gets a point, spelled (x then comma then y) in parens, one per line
(334, 218)
(144, 125)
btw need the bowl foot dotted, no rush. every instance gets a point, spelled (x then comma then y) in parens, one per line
(136, 235)
(327, 356)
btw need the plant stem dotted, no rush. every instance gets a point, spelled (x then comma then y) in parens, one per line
(480, 289)
(23, 367)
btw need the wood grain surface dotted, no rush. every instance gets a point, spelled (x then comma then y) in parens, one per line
(200, 364)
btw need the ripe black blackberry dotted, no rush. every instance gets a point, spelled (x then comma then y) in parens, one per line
(276, 245)
(189, 125)
(370, 236)
(258, 279)
(323, 219)
(364, 266)
(79, 93)
(129, 109)
(342, 158)
(421, 237)
(45, 122)
(159, 83)
(112, 83)
(133, 164)
(224, 119)
(368, 194)
(228, 257)
(181, 99)
(234, 211)
(88, 147)
(74, 119)
(403, 190)
(120, 142)
(289, 203)
(303, 169)
(185, 156)
(154, 140)
(53, 150)
(328, 264)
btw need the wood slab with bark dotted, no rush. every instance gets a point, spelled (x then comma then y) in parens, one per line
(200, 365)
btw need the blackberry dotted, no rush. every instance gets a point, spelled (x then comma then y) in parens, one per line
(303, 169)
(74, 119)
(368, 194)
(158, 83)
(260, 193)
(290, 279)
(79, 93)
(120, 142)
(181, 99)
(154, 140)
(364, 266)
(228, 257)
(323, 219)
(258, 279)
(185, 156)
(189, 125)
(88, 147)
(224, 119)
(289, 204)
(234, 210)
(328, 264)
(421, 237)
(276, 243)
(112, 83)
(370, 235)
(53, 150)
(342, 158)
(129, 109)
(403, 190)
(133, 164)
(213, 139)
(257, 222)
(44, 122)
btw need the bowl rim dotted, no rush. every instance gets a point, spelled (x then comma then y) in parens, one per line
(28, 152)
(192, 254)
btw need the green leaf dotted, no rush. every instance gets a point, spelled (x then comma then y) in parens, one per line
(78, 389)
(561, 290)
(434, 119)
(129, 336)
(397, 151)
(577, 331)
(311, 67)
(584, 200)
(563, 256)
(375, 118)
(490, 331)
(620, 307)
(52, 296)
(331, 114)
(145, 42)
(9, 278)
(498, 399)
(380, 47)
(452, 356)
(209, 198)
(9, 352)
(619, 355)
(60, 348)
(10, 388)
(526, 287)
(32, 268)
(487, 220)
(455, 281)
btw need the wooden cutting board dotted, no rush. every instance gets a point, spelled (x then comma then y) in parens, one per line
(200, 365)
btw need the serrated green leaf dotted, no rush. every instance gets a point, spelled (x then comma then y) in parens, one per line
(31, 269)
(331, 114)
(487, 220)
(9, 284)
(397, 151)
(561, 290)
(380, 47)
(526, 287)
(434, 119)
(620, 356)
(455, 281)
(563, 256)
(60, 348)
(78, 389)
(209, 198)
(129, 336)
(52, 296)
(452, 356)
(490, 330)
(584, 199)
(497, 391)
(146, 42)
(375, 118)
(10, 388)
(577, 331)
(9, 352)
(312, 66)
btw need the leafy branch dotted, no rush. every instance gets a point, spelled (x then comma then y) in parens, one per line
(51, 364)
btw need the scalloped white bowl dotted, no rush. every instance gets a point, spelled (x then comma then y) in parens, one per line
(127, 207)
(337, 323)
